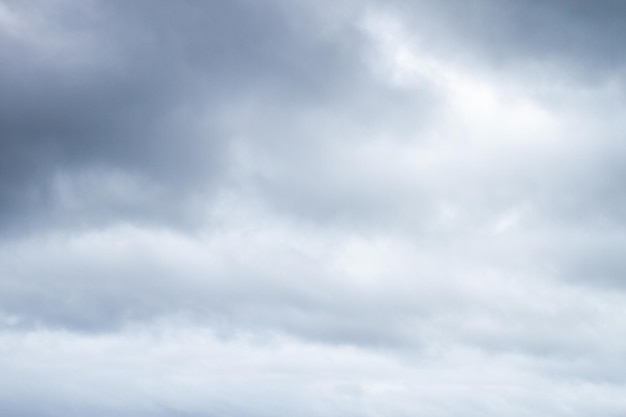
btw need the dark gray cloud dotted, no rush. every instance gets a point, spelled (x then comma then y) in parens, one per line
(579, 37)
(136, 88)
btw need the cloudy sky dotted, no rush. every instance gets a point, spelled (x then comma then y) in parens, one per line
(317, 208)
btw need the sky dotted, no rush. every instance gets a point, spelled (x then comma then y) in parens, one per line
(316, 208)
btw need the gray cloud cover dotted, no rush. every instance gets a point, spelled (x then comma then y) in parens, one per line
(240, 208)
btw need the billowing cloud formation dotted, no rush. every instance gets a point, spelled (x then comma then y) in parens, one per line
(340, 208)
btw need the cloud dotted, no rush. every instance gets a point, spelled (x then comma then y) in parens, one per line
(170, 371)
(135, 92)
(312, 208)
(576, 38)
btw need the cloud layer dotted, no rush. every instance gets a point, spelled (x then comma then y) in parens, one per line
(312, 208)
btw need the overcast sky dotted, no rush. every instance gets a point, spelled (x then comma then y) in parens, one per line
(316, 208)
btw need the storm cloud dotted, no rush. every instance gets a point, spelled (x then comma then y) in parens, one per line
(347, 208)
